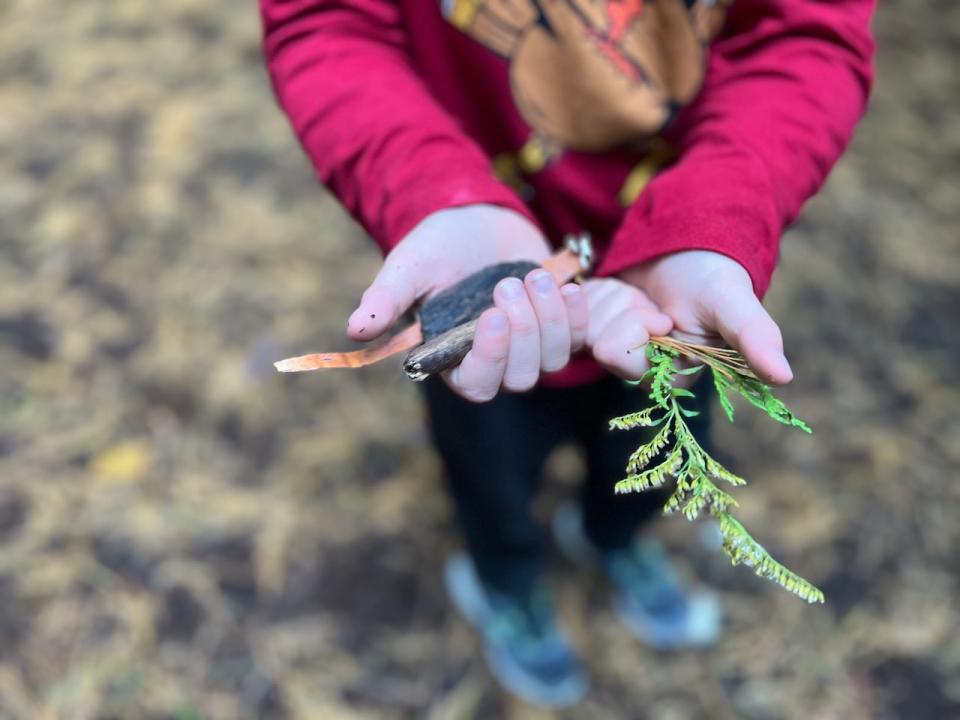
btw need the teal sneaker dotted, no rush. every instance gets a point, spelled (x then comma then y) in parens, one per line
(525, 650)
(648, 597)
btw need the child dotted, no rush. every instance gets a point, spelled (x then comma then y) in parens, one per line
(467, 132)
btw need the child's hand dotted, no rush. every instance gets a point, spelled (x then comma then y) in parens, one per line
(710, 297)
(534, 325)
(542, 326)
(622, 319)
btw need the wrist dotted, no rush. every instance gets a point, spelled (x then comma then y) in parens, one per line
(685, 266)
(510, 234)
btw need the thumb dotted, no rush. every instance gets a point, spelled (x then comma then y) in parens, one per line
(735, 312)
(396, 287)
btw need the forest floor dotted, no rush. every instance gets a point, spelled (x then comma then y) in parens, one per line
(185, 533)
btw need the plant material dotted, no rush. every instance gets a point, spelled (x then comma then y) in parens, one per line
(680, 457)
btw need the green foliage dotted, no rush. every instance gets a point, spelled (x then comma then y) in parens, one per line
(757, 394)
(686, 463)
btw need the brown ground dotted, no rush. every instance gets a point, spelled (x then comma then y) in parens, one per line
(184, 533)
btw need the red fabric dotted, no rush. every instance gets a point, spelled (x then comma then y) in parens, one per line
(785, 85)
(400, 113)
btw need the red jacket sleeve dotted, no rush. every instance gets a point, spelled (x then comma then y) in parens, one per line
(375, 135)
(786, 83)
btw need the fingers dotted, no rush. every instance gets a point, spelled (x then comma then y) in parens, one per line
(395, 289)
(541, 331)
(621, 322)
(479, 376)
(741, 320)
(606, 299)
(620, 346)
(577, 314)
(552, 318)
(656, 322)
(542, 325)
(523, 359)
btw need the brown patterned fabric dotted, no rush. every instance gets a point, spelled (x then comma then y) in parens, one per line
(594, 75)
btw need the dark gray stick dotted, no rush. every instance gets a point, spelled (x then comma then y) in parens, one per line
(444, 351)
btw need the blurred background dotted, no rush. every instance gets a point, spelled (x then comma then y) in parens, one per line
(185, 533)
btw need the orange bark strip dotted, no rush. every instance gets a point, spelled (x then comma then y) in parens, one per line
(564, 266)
(404, 340)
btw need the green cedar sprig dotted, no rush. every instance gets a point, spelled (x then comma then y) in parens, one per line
(686, 463)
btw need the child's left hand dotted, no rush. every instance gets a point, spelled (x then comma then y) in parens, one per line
(710, 297)
(621, 320)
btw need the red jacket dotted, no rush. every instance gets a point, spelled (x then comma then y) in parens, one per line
(401, 110)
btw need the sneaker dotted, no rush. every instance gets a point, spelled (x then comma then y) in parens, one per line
(648, 597)
(525, 650)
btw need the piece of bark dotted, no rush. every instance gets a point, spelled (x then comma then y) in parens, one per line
(466, 300)
(451, 308)
(443, 352)
(449, 319)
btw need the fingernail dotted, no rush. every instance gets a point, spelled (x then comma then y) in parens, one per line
(512, 288)
(570, 290)
(498, 323)
(543, 282)
(785, 364)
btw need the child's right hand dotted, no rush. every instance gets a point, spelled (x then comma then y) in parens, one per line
(534, 325)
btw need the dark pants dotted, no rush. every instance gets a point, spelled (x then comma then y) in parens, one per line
(494, 454)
